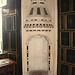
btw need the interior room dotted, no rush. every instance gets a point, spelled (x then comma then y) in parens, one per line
(37, 37)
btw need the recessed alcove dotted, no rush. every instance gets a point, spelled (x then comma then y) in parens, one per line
(39, 54)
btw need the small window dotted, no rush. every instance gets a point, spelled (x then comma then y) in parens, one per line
(27, 69)
(27, 62)
(49, 68)
(41, 2)
(27, 30)
(26, 20)
(49, 54)
(38, 11)
(31, 12)
(38, 30)
(33, 25)
(46, 30)
(49, 62)
(30, 30)
(37, 25)
(49, 47)
(27, 54)
(27, 47)
(44, 25)
(45, 12)
(34, 2)
(34, 30)
(35, 19)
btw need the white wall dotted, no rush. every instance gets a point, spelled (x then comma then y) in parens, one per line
(0, 30)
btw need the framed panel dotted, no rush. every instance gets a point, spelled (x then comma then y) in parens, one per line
(12, 6)
(61, 54)
(65, 38)
(64, 5)
(64, 69)
(73, 39)
(70, 56)
(71, 21)
(6, 41)
(13, 41)
(73, 5)
(9, 23)
(61, 20)
(3, 22)
(14, 23)
(73, 70)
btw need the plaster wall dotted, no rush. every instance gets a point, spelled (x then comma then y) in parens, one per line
(50, 36)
